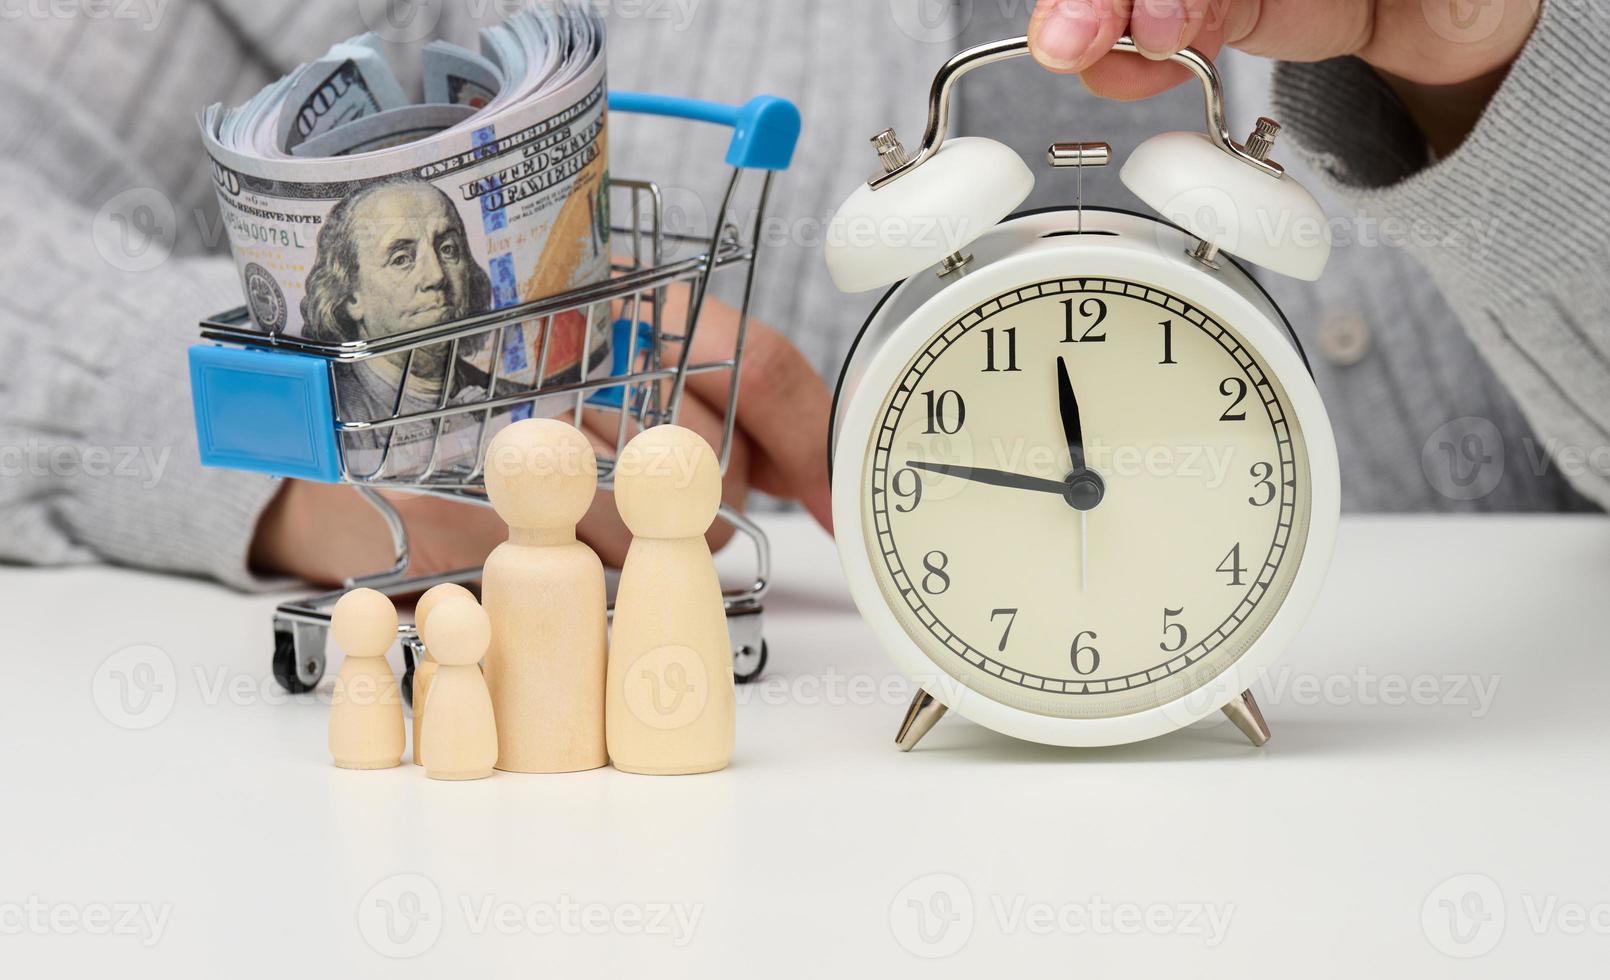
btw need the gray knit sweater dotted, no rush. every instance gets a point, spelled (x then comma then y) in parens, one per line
(110, 246)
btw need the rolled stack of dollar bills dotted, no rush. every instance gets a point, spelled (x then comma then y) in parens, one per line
(355, 212)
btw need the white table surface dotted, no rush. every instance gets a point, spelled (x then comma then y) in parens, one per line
(168, 812)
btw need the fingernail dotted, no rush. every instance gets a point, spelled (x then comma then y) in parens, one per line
(1065, 35)
(1158, 33)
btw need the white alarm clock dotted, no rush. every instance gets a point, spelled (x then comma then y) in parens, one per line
(1084, 488)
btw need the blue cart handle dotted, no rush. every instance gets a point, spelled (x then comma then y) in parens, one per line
(765, 128)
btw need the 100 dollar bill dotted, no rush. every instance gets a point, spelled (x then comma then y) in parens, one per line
(480, 217)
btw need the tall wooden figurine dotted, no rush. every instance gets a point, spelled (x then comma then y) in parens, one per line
(671, 707)
(366, 718)
(425, 670)
(544, 593)
(460, 736)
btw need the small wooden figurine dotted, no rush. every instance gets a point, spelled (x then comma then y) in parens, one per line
(671, 706)
(366, 719)
(426, 668)
(460, 735)
(544, 593)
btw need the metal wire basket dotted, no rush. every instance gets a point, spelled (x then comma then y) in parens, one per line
(272, 403)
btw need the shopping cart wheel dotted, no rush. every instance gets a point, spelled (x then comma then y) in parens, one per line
(298, 656)
(747, 631)
(748, 662)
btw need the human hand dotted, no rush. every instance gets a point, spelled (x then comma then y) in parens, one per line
(327, 533)
(1443, 67)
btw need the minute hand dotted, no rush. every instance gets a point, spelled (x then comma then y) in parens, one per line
(998, 478)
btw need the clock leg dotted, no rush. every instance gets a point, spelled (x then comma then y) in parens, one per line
(1244, 712)
(920, 717)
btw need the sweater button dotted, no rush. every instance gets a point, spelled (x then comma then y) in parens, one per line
(1344, 337)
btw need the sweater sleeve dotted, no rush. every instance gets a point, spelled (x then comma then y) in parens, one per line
(98, 454)
(1514, 226)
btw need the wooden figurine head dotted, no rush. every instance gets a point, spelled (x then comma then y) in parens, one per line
(540, 473)
(364, 623)
(458, 632)
(668, 483)
(432, 598)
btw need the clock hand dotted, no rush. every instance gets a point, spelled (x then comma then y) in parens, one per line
(1084, 487)
(1084, 552)
(997, 478)
(1068, 407)
(1073, 431)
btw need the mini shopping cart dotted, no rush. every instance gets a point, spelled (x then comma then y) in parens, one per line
(267, 402)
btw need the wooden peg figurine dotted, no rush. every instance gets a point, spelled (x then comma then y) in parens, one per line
(425, 670)
(366, 719)
(460, 735)
(671, 706)
(544, 594)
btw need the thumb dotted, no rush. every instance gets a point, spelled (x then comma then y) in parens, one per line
(1071, 35)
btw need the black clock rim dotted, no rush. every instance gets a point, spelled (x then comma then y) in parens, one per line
(849, 355)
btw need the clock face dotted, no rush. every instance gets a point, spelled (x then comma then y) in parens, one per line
(1093, 590)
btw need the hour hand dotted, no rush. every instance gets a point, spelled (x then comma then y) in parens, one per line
(1084, 488)
(1068, 408)
(997, 478)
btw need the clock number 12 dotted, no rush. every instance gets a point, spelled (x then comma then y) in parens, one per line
(1091, 307)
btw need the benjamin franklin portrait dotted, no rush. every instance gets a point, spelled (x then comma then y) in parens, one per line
(394, 257)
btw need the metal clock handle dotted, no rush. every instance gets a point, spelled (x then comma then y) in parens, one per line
(897, 162)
